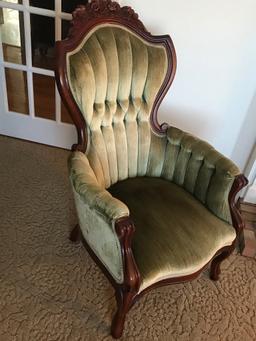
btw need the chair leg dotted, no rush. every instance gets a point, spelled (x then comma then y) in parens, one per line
(75, 234)
(124, 303)
(216, 262)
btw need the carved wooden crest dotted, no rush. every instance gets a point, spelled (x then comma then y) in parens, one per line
(97, 10)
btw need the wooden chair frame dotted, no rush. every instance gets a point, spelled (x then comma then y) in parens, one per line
(85, 18)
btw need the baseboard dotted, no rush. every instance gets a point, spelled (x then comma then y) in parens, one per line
(248, 212)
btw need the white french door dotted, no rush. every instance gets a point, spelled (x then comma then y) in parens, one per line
(30, 106)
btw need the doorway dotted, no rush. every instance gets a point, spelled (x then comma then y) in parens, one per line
(30, 105)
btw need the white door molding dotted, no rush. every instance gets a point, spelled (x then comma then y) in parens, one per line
(30, 127)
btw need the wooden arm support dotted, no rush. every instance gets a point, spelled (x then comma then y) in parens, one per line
(125, 229)
(239, 183)
(126, 292)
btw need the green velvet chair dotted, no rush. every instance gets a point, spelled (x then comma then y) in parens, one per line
(155, 204)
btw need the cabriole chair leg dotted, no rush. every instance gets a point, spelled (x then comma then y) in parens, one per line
(124, 303)
(216, 262)
(75, 234)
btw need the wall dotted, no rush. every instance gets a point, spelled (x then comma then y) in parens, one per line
(249, 193)
(246, 137)
(216, 76)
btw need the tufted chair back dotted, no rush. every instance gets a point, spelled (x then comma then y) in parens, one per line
(115, 77)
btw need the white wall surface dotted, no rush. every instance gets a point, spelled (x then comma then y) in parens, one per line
(212, 94)
(249, 193)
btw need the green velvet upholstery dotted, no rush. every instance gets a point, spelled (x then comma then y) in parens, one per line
(97, 211)
(200, 169)
(175, 234)
(86, 185)
(99, 232)
(175, 185)
(114, 77)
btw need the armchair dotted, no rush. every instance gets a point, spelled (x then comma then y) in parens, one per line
(155, 204)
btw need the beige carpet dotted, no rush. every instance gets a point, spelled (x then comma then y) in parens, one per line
(51, 290)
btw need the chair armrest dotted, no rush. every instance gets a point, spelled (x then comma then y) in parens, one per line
(86, 185)
(201, 170)
(104, 222)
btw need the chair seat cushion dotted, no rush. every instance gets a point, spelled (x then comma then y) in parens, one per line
(175, 234)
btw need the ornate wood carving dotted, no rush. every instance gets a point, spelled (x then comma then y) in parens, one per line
(125, 229)
(126, 293)
(239, 183)
(106, 9)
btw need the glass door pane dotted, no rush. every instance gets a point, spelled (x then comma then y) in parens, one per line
(46, 4)
(17, 95)
(14, 1)
(12, 34)
(42, 40)
(44, 96)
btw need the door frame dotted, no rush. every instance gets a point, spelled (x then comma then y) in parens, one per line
(30, 127)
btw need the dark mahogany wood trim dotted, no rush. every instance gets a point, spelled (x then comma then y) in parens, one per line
(171, 71)
(217, 260)
(182, 279)
(239, 183)
(85, 19)
(67, 97)
(125, 230)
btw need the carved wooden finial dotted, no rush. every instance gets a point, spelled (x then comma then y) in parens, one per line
(100, 10)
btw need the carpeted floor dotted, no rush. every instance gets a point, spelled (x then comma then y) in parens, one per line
(51, 290)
